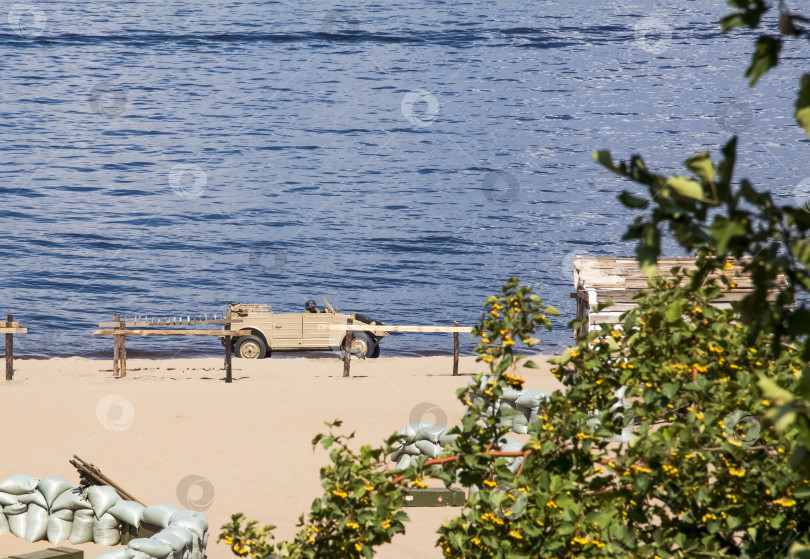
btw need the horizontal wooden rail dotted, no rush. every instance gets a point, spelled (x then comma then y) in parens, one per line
(155, 324)
(4, 330)
(220, 333)
(383, 328)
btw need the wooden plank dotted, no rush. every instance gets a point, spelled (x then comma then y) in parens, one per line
(116, 346)
(220, 333)
(382, 329)
(4, 330)
(228, 368)
(455, 350)
(347, 349)
(9, 349)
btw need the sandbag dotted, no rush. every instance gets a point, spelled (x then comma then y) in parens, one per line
(3, 523)
(447, 439)
(128, 511)
(205, 539)
(193, 521)
(524, 411)
(183, 533)
(411, 449)
(520, 424)
(17, 517)
(159, 514)
(140, 555)
(532, 398)
(35, 497)
(71, 499)
(82, 531)
(60, 524)
(428, 448)
(178, 544)
(421, 430)
(403, 462)
(151, 546)
(17, 484)
(123, 553)
(106, 530)
(102, 498)
(511, 394)
(52, 487)
(37, 524)
(7, 499)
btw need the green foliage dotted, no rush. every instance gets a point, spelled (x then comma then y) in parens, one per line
(359, 509)
(248, 540)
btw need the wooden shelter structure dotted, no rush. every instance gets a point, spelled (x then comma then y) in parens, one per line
(600, 280)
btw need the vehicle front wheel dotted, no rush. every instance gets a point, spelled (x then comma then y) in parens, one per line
(376, 352)
(362, 345)
(250, 347)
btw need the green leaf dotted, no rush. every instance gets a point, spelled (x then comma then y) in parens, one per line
(552, 311)
(686, 187)
(765, 57)
(701, 165)
(803, 104)
(723, 230)
(633, 202)
(773, 390)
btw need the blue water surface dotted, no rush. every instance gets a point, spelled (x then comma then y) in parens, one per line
(402, 159)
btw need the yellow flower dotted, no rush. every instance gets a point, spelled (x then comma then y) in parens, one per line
(352, 525)
(487, 358)
(484, 340)
(340, 494)
(508, 342)
(784, 502)
(358, 547)
(490, 483)
(420, 483)
(515, 534)
(369, 488)
(495, 314)
(736, 472)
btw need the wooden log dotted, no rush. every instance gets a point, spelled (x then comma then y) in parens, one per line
(228, 371)
(122, 339)
(94, 474)
(347, 350)
(220, 333)
(116, 346)
(9, 350)
(455, 350)
(383, 328)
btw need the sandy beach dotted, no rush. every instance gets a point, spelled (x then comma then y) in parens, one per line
(251, 440)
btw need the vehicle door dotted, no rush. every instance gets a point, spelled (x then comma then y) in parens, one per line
(287, 328)
(317, 332)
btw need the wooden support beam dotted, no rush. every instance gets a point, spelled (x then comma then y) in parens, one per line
(347, 350)
(116, 347)
(9, 350)
(228, 370)
(383, 328)
(220, 333)
(5, 330)
(455, 350)
(122, 353)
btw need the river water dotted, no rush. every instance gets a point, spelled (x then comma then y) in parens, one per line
(401, 159)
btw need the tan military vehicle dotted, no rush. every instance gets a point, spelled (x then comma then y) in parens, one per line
(311, 330)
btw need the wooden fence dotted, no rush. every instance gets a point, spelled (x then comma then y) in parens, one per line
(9, 329)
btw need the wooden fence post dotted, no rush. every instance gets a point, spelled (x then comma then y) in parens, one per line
(455, 350)
(347, 347)
(9, 350)
(116, 345)
(122, 352)
(228, 370)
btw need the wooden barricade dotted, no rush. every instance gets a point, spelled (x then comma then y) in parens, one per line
(120, 331)
(617, 280)
(9, 329)
(349, 327)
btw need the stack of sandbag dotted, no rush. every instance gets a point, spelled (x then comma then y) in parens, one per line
(419, 438)
(184, 533)
(515, 408)
(53, 509)
(627, 433)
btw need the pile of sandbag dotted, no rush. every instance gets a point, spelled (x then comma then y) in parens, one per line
(419, 438)
(53, 509)
(515, 408)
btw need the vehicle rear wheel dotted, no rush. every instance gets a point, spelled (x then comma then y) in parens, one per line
(362, 345)
(251, 347)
